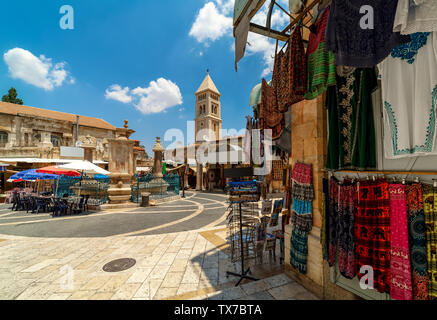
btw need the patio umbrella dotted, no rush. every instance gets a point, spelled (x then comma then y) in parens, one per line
(84, 167)
(59, 171)
(32, 174)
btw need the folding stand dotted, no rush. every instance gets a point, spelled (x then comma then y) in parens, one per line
(243, 274)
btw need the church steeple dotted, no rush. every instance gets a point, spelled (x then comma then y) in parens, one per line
(207, 84)
(208, 111)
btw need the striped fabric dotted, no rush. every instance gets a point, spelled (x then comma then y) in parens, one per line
(320, 61)
(299, 249)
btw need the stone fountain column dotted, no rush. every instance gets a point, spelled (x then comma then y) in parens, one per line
(158, 185)
(122, 168)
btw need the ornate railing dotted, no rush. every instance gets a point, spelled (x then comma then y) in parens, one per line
(167, 186)
(73, 186)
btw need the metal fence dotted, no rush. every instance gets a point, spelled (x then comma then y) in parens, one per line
(74, 186)
(167, 186)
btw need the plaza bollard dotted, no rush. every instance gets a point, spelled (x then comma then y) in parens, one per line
(145, 199)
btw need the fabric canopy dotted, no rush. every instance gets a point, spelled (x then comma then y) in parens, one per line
(32, 174)
(85, 167)
(58, 171)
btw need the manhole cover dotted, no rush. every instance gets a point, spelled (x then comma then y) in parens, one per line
(119, 265)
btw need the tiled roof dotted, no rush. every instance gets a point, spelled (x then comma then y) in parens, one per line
(207, 84)
(16, 109)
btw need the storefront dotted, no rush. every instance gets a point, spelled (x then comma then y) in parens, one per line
(359, 171)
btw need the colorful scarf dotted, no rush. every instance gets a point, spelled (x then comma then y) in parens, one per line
(302, 173)
(372, 232)
(417, 241)
(320, 61)
(400, 269)
(302, 215)
(342, 227)
(430, 208)
(302, 191)
(299, 249)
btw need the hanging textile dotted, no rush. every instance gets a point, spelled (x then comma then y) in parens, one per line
(277, 170)
(324, 230)
(299, 249)
(416, 16)
(430, 208)
(284, 142)
(302, 214)
(289, 73)
(332, 221)
(409, 94)
(298, 67)
(351, 141)
(341, 217)
(320, 61)
(358, 45)
(417, 240)
(400, 269)
(270, 116)
(247, 141)
(372, 231)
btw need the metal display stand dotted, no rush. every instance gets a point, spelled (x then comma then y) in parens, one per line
(239, 239)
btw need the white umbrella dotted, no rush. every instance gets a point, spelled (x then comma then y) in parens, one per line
(84, 167)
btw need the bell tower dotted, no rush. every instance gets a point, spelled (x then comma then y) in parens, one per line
(208, 120)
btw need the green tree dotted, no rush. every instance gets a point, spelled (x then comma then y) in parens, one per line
(11, 97)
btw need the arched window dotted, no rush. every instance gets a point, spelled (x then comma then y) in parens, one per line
(55, 140)
(3, 138)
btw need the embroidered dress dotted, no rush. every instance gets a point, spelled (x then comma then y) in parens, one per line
(409, 95)
(417, 241)
(351, 141)
(430, 208)
(356, 43)
(372, 231)
(400, 269)
(416, 16)
(320, 61)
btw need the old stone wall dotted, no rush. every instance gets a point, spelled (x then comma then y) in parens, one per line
(309, 145)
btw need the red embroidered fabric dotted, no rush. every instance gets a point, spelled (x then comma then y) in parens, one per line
(372, 232)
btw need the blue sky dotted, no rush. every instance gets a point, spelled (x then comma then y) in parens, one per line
(139, 60)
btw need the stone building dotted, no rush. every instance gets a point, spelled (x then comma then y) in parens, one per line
(28, 132)
(32, 137)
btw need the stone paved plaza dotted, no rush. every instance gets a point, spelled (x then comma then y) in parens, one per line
(181, 255)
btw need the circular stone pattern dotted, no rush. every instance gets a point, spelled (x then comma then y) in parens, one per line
(119, 265)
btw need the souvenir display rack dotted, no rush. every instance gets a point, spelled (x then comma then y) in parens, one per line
(242, 220)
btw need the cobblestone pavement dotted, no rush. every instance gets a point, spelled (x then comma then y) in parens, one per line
(177, 265)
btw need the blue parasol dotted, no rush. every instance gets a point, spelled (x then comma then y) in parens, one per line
(31, 174)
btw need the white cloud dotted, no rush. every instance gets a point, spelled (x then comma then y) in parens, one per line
(215, 20)
(116, 92)
(40, 72)
(210, 24)
(157, 97)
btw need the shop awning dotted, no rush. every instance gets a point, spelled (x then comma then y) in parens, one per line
(245, 10)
